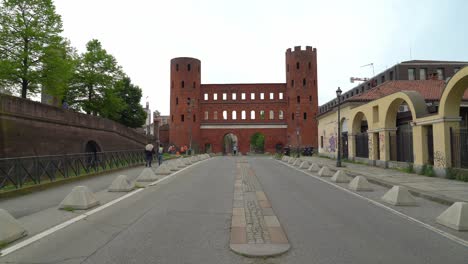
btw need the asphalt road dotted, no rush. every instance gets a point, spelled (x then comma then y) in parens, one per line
(187, 220)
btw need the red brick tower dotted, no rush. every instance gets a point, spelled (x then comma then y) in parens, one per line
(185, 100)
(301, 90)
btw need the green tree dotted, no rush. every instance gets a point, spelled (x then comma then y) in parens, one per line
(59, 61)
(257, 141)
(94, 82)
(132, 114)
(27, 27)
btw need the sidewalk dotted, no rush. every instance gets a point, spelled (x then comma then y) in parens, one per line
(433, 188)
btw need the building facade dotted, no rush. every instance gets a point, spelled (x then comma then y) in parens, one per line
(202, 115)
(415, 123)
(407, 70)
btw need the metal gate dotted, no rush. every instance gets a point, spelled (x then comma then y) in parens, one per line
(401, 144)
(362, 145)
(430, 145)
(459, 147)
(344, 145)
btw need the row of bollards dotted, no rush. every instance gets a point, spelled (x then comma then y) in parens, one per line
(455, 217)
(82, 198)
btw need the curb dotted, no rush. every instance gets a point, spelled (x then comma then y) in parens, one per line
(255, 229)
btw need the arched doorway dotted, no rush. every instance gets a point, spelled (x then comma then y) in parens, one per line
(230, 143)
(344, 138)
(399, 116)
(92, 147)
(361, 137)
(257, 142)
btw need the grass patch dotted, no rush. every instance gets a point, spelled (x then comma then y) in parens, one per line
(138, 185)
(68, 209)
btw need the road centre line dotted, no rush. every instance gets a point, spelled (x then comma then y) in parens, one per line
(427, 226)
(58, 227)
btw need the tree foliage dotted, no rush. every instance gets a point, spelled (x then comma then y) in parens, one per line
(257, 141)
(97, 73)
(27, 29)
(34, 57)
(132, 114)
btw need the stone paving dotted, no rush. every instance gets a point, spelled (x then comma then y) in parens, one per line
(254, 224)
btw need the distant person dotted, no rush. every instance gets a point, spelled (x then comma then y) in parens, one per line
(234, 149)
(160, 154)
(65, 105)
(149, 151)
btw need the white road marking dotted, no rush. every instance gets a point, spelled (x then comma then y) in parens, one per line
(58, 227)
(433, 229)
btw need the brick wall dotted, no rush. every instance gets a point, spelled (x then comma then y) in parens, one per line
(30, 128)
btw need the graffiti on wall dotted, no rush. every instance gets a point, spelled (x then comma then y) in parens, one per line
(332, 143)
(440, 160)
(382, 143)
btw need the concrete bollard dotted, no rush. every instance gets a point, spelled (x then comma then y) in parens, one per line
(399, 196)
(147, 175)
(121, 184)
(163, 170)
(455, 217)
(180, 164)
(172, 165)
(11, 229)
(304, 165)
(325, 172)
(340, 177)
(80, 198)
(360, 184)
(314, 167)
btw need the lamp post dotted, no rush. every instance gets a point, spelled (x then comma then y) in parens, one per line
(338, 160)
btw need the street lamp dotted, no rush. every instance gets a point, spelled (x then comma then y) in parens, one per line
(338, 160)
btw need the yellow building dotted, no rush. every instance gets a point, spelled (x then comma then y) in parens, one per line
(402, 123)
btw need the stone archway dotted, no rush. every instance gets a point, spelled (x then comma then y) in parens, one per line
(92, 147)
(230, 143)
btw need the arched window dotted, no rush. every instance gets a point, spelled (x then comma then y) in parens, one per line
(298, 99)
(280, 114)
(182, 84)
(297, 65)
(177, 67)
(304, 82)
(272, 114)
(243, 115)
(252, 115)
(234, 115)
(224, 115)
(177, 100)
(262, 114)
(292, 116)
(188, 67)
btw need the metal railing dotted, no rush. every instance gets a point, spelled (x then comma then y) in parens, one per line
(459, 147)
(16, 173)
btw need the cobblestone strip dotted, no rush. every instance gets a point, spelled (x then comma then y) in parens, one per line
(255, 229)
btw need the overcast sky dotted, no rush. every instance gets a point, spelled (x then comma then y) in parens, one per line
(244, 41)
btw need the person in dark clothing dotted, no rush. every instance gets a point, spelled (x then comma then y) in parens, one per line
(160, 154)
(149, 151)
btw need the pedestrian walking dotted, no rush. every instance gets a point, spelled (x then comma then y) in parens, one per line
(160, 154)
(234, 149)
(149, 151)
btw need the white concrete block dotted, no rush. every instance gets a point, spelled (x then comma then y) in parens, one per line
(10, 228)
(340, 177)
(291, 160)
(400, 196)
(187, 161)
(147, 175)
(172, 165)
(163, 170)
(297, 163)
(325, 172)
(455, 217)
(314, 167)
(80, 198)
(180, 163)
(304, 165)
(121, 184)
(360, 184)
